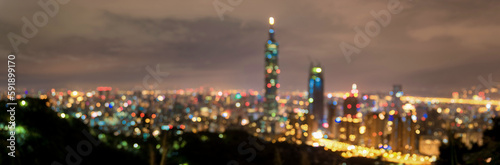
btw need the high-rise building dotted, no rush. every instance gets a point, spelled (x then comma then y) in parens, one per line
(350, 124)
(351, 105)
(316, 93)
(271, 71)
(396, 94)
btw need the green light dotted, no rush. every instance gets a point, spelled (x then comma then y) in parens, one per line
(238, 96)
(23, 103)
(204, 138)
(136, 146)
(317, 69)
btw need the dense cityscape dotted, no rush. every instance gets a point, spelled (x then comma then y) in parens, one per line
(387, 127)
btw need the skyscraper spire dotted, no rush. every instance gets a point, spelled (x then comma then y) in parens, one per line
(271, 29)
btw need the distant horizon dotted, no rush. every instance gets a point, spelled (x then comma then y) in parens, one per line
(261, 91)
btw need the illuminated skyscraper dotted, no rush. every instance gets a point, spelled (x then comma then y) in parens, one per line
(351, 121)
(396, 94)
(271, 71)
(316, 93)
(351, 105)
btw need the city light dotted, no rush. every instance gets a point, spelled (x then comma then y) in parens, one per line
(376, 124)
(271, 20)
(23, 103)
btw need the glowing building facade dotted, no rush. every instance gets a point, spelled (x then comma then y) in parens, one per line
(271, 71)
(316, 93)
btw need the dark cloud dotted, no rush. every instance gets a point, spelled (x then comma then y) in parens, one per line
(431, 47)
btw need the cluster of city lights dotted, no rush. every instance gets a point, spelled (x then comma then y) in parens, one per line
(349, 150)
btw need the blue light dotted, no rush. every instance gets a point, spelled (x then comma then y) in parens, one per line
(269, 56)
(269, 42)
(334, 102)
(271, 30)
(425, 115)
(317, 79)
(337, 120)
(124, 122)
(391, 118)
(391, 93)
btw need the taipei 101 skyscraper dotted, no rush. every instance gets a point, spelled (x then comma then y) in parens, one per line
(271, 71)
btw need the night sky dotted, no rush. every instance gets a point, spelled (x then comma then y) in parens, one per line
(432, 47)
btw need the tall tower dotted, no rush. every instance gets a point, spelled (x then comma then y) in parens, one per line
(271, 71)
(316, 93)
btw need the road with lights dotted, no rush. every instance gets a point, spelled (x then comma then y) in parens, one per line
(349, 150)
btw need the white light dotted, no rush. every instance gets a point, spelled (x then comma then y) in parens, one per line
(318, 70)
(244, 122)
(160, 98)
(317, 135)
(315, 144)
(271, 20)
(74, 93)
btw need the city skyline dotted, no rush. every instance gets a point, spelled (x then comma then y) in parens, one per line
(81, 47)
(250, 82)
